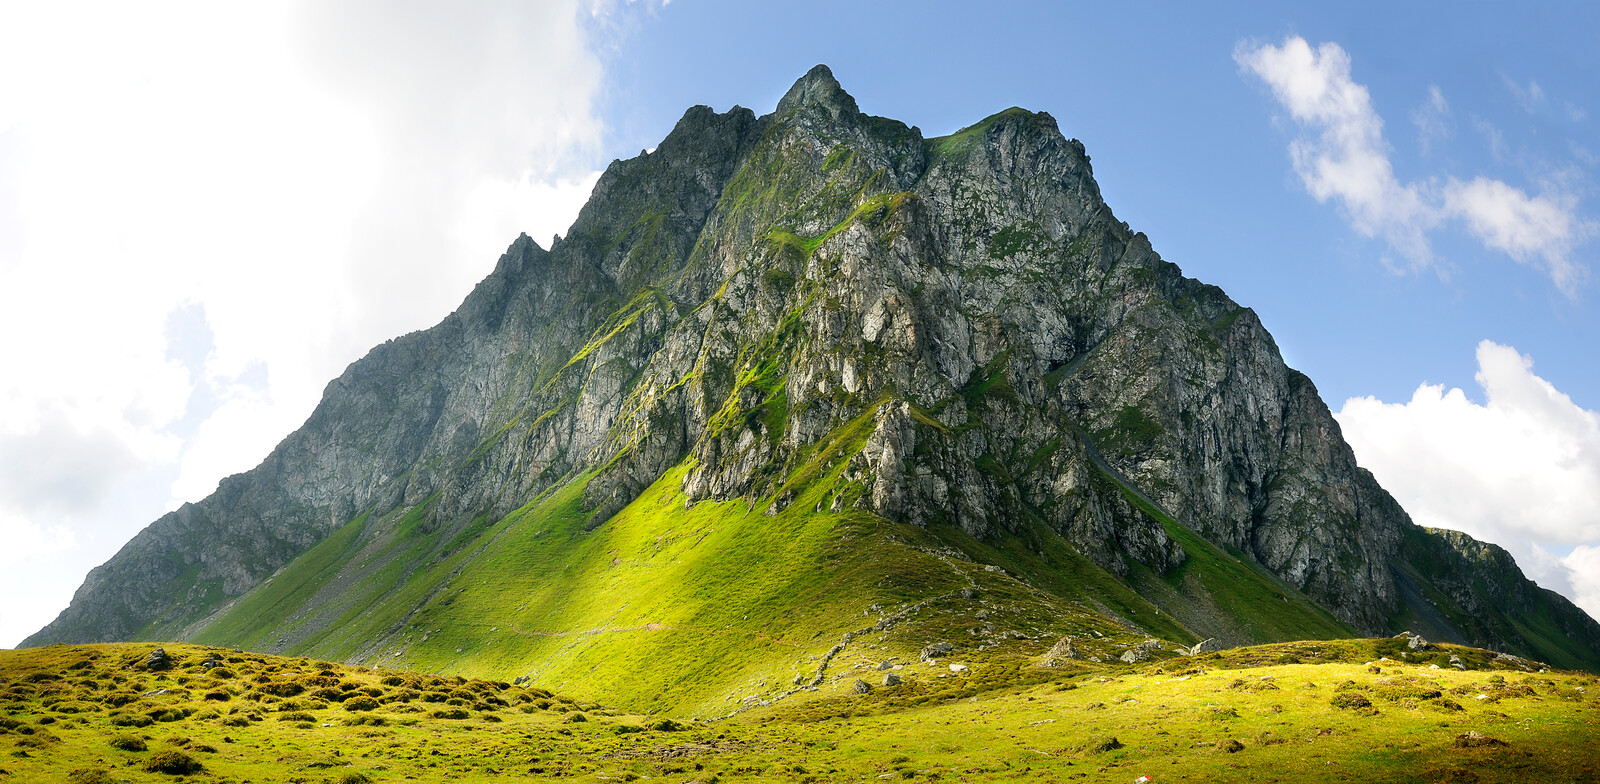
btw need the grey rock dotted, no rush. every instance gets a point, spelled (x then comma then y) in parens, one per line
(1135, 655)
(1063, 649)
(860, 687)
(1204, 646)
(157, 660)
(891, 679)
(935, 650)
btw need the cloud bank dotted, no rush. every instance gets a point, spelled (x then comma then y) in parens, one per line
(1340, 155)
(1521, 469)
(207, 210)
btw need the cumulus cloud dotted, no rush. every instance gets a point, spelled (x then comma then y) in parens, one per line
(1340, 155)
(1525, 228)
(208, 210)
(1343, 155)
(1583, 564)
(1521, 469)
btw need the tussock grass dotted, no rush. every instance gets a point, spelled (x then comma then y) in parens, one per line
(1205, 718)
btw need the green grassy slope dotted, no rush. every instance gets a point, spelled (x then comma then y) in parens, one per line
(1300, 712)
(700, 609)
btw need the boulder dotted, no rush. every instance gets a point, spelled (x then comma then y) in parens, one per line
(891, 679)
(935, 650)
(860, 687)
(1135, 655)
(157, 660)
(1063, 649)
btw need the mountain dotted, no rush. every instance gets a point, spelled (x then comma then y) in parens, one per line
(804, 383)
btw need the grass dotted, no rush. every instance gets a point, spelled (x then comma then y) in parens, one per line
(696, 609)
(1306, 711)
(961, 141)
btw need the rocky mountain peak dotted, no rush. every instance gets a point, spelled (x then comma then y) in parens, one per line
(818, 320)
(818, 88)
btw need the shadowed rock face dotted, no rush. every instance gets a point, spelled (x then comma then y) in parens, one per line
(1016, 355)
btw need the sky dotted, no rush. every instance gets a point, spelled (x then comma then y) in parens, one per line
(208, 210)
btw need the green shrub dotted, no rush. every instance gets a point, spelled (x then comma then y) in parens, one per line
(1350, 701)
(281, 688)
(131, 720)
(173, 763)
(168, 714)
(360, 704)
(128, 742)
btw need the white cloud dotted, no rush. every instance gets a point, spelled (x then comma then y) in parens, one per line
(1583, 564)
(1341, 155)
(310, 178)
(1432, 119)
(1521, 470)
(1529, 229)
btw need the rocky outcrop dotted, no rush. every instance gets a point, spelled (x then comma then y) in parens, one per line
(960, 326)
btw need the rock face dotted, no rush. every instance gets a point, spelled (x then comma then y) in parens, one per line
(963, 319)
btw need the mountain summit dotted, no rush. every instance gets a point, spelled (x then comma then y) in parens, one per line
(802, 386)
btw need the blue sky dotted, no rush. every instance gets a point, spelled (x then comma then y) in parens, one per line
(206, 212)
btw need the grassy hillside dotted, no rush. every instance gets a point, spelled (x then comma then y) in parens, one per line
(697, 609)
(1312, 712)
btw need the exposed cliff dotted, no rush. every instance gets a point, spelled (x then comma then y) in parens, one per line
(820, 315)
